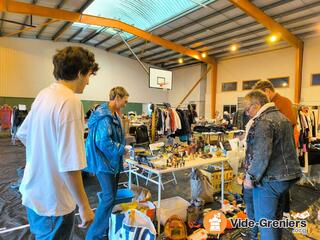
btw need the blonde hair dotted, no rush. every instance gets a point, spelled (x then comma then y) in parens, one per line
(118, 91)
(263, 85)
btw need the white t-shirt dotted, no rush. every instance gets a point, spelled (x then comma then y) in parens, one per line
(53, 135)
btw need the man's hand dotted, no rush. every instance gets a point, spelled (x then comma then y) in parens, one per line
(248, 184)
(87, 216)
(240, 178)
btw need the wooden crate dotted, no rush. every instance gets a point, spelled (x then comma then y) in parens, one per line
(217, 187)
(215, 176)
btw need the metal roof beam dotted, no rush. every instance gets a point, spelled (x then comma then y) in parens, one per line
(66, 26)
(28, 29)
(220, 24)
(75, 34)
(197, 21)
(301, 35)
(25, 8)
(222, 53)
(267, 21)
(26, 19)
(1, 22)
(60, 5)
(103, 40)
(180, 28)
(295, 20)
(92, 35)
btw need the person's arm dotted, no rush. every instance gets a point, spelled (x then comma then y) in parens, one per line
(105, 143)
(73, 180)
(262, 150)
(72, 158)
(287, 110)
(23, 130)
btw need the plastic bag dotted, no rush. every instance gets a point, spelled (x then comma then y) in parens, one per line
(131, 225)
(201, 186)
(141, 194)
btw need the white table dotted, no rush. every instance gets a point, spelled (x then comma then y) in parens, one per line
(199, 162)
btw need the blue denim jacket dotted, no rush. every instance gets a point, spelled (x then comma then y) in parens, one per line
(271, 153)
(105, 142)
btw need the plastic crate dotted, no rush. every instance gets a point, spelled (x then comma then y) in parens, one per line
(172, 206)
(124, 195)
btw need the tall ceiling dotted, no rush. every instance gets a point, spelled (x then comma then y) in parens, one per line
(203, 25)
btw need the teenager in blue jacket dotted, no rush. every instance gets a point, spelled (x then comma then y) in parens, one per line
(105, 147)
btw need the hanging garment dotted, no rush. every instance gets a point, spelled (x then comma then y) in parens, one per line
(177, 122)
(172, 122)
(5, 117)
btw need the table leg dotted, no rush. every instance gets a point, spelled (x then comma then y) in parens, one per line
(222, 183)
(130, 175)
(159, 203)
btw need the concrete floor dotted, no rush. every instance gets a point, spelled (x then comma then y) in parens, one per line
(12, 213)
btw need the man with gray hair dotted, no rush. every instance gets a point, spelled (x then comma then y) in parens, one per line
(271, 159)
(285, 107)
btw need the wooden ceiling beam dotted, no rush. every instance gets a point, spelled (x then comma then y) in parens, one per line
(25, 8)
(267, 21)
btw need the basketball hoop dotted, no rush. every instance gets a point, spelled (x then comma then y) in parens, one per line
(163, 86)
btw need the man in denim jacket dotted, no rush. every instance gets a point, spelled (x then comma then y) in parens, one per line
(272, 160)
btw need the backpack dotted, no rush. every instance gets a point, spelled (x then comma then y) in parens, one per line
(142, 134)
(175, 229)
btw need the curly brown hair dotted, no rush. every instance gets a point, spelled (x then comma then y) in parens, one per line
(69, 61)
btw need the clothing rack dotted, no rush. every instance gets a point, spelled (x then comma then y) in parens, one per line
(153, 118)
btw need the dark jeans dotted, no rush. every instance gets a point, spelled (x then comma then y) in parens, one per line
(266, 199)
(109, 186)
(285, 198)
(248, 199)
(54, 227)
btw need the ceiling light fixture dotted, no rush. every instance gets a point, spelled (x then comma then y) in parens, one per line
(204, 55)
(233, 48)
(273, 38)
(180, 60)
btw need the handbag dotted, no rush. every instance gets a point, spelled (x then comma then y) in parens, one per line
(201, 186)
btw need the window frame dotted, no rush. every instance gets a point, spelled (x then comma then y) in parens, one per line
(257, 80)
(288, 85)
(311, 81)
(229, 90)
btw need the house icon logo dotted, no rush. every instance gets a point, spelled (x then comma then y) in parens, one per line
(215, 222)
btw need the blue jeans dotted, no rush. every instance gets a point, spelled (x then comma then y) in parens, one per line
(109, 186)
(54, 227)
(248, 199)
(266, 199)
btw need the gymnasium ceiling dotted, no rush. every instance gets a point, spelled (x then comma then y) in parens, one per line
(209, 26)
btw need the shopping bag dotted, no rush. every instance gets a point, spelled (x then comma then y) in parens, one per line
(141, 194)
(131, 225)
(201, 186)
